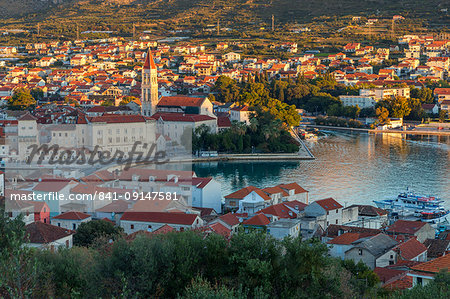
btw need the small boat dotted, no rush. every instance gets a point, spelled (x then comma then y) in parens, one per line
(434, 216)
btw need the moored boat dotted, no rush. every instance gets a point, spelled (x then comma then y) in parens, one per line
(411, 201)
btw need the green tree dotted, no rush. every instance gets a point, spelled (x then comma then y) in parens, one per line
(18, 267)
(382, 114)
(127, 100)
(89, 232)
(442, 116)
(227, 89)
(399, 107)
(37, 93)
(21, 100)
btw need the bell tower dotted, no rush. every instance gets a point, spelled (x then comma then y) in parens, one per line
(149, 86)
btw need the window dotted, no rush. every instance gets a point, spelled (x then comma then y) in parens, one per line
(337, 211)
(67, 243)
(59, 224)
(74, 226)
(337, 221)
(132, 226)
(419, 281)
(360, 252)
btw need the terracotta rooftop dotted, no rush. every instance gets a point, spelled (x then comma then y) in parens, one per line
(259, 219)
(399, 283)
(329, 204)
(349, 238)
(434, 266)
(410, 249)
(230, 219)
(385, 274)
(72, 216)
(406, 227)
(43, 233)
(181, 101)
(160, 217)
(436, 247)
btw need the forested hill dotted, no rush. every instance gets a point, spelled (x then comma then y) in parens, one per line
(227, 10)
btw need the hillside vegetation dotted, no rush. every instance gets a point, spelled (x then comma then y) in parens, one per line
(208, 11)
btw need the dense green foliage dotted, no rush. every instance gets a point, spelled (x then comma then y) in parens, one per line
(92, 231)
(189, 265)
(264, 134)
(258, 93)
(22, 100)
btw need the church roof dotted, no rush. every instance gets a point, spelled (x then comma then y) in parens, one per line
(149, 62)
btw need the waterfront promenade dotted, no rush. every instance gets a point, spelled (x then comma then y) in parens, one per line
(392, 131)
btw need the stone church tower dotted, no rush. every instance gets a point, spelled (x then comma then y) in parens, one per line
(149, 86)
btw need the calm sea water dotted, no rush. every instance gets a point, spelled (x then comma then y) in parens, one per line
(353, 168)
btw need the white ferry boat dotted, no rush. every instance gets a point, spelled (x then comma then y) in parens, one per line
(426, 208)
(411, 201)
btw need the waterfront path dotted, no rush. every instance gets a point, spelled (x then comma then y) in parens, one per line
(409, 132)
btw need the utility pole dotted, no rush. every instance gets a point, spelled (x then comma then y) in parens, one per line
(273, 23)
(134, 31)
(39, 28)
(78, 33)
(218, 27)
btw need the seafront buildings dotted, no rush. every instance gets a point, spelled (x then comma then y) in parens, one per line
(117, 96)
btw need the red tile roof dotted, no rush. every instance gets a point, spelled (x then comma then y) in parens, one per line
(275, 190)
(117, 118)
(349, 238)
(296, 205)
(72, 216)
(160, 217)
(163, 230)
(406, 227)
(50, 186)
(230, 219)
(399, 283)
(181, 101)
(181, 117)
(27, 116)
(329, 204)
(280, 210)
(293, 186)
(223, 122)
(117, 206)
(442, 91)
(410, 249)
(43, 233)
(333, 230)
(385, 274)
(434, 266)
(240, 194)
(259, 219)
(220, 229)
